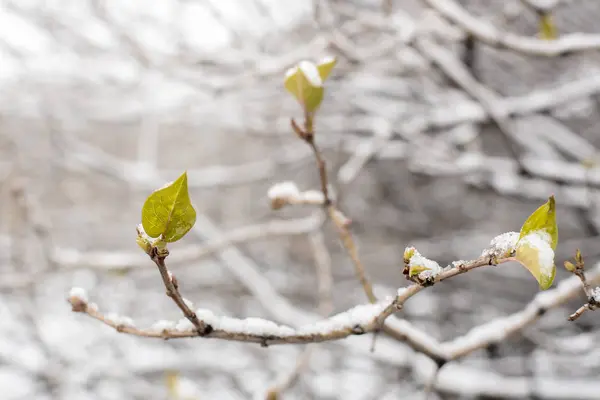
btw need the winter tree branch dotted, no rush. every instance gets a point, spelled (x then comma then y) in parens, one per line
(492, 36)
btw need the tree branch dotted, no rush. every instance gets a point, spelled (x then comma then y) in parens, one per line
(492, 36)
(172, 287)
(356, 321)
(340, 221)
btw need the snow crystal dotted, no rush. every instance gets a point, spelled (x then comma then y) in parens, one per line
(327, 60)
(184, 325)
(596, 294)
(205, 315)
(283, 190)
(290, 72)
(79, 293)
(249, 326)
(126, 321)
(311, 72)
(502, 245)
(360, 315)
(258, 326)
(162, 325)
(540, 241)
(119, 319)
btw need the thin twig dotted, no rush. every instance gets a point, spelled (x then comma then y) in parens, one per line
(581, 310)
(172, 287)
(335, 215)
(578, 269)
(313, 333)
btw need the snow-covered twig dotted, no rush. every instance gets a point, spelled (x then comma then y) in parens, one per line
(172, 286)
(482, 30)
(499, 329)
(356, 321)
(592, 294)
(340, 221)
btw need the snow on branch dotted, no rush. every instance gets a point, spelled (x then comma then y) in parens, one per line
(501, 328)
(487, 33)
(287, 193)
(355, 321)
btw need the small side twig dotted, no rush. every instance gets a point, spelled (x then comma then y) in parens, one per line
(335, 215)
(593, 295)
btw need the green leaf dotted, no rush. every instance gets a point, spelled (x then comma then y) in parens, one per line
(168, 212)
(535, 253)
(326, 66)
(542, 219)
(547, 27)
(417, 269)
(537, 241)
(304, 82)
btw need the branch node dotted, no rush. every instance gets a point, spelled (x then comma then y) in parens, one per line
(358, 330)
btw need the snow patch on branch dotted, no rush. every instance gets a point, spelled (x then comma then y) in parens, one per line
(595, 294)
(502, 245)
(162, 325)
(119, 320)
(359, 316)
(284, 193)
(79, 293)
(283, 190)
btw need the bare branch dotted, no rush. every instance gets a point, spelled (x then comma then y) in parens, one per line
(172, 287)
(340, 221)
(592, 294)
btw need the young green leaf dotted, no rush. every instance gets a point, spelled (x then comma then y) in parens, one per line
(417, 269)
(325, 67)
(416, 263)
(537, 241)
(535, 253)
(168, 212)
(304, 82)
(542, 219)
(548, 29)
